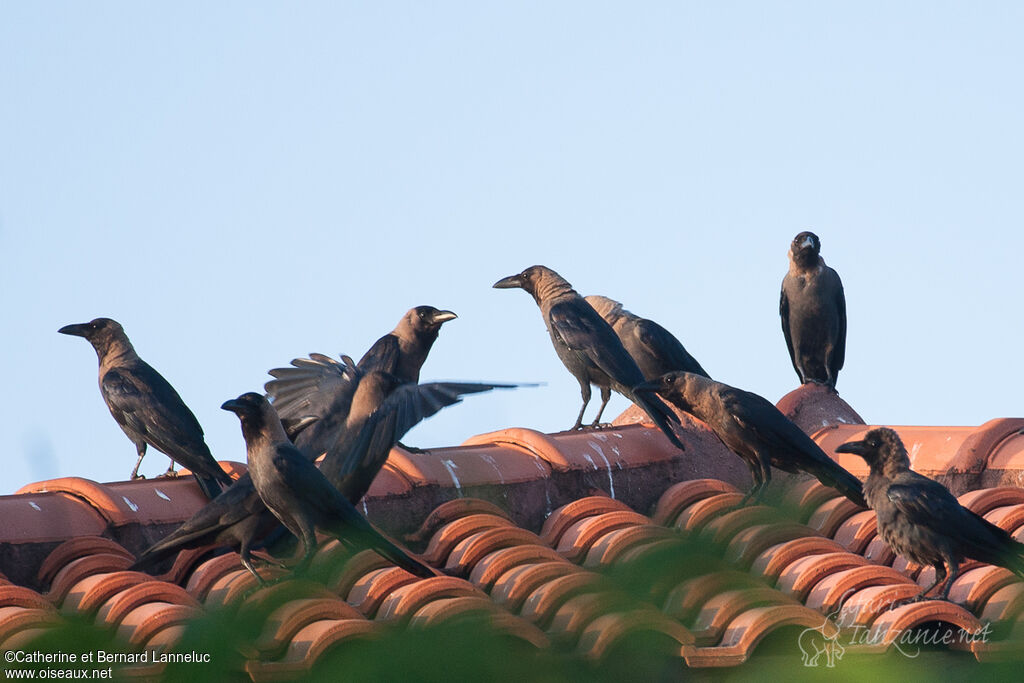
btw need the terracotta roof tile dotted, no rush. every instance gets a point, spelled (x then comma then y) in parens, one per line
(286, 621)
(749, 628)
(773, 560)
(680, 496)
(800, 578)
(91, 592)
(614, 545)
(75, 548)
(695, 516)
(15, 619)
(857, 531)
(579, 537)
(686, 599)
(516, 585)
(571, 513)
(19, 596)
(973, 588)
(1005, 604)
(76, 570)
(474, 548)
(497, 564)
(448, 536)
(541, 605)
(450, 511)
(117, 607)
(718, 612)
(353, 570)
(607, 631)
(307, 646)
(748, 544)
(406, 600)
(828, 594)
(831, 514)
(895, 623)
(142, 623)
(370, 591)
(1008, 517)
(864, 605)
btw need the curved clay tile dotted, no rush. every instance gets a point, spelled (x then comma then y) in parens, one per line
(578, 611)
(15, 620)
(773, 560)
(694, 517)
(389, 482)
(358, 566)
(578, 538)
(185, 562)
(1006, 604)
(749, 544)
(613, 546)
(815, 407)
(911, 570)
(879, 552)
(268, 598)
(749, 628)
(897, 625)
(728, 524)
(146, 620)
(981, 501)
(1009, 517)
(75, 548)
(91, 592)
(543, 446)
(117, 607)
(288, 619)
(680, 496)
(446, 609)
(543, 602)
(719, 611)
(857, 531)
(449, 535)
(370, 591)
(471, 550)
(308, 646)
(639, 553)
(831, 514)
(103, 499)
(406, 600)
(463, 467)
(19, 596)
(974, 587)
(24, 639)
(449, 512)
(236, 586)
(807, 496)
(828, 594)
(516, 585)
(609, 630)
(685, 600)
(209, 572)
(76, 570)
(866, 604)
(569, 514)
(927, 574)
(800, 577)
(497, 564)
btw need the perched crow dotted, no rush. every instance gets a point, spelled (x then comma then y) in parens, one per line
(920, 519)
(147, 407)
(813, 312)
(653, 347)
(588, 346)
(298, 494)
(755, 430)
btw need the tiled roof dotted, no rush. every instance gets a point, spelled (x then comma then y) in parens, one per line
(546, 537)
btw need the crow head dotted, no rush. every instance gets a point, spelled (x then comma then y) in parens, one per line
(805, 249)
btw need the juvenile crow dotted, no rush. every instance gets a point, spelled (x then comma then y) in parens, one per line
(653, 347)
(298, 494)
(813, 312)
(755, 430)
(921, 520)
(588, 346)
(147, 407)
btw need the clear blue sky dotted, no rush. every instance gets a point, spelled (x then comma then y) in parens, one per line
(242, 183)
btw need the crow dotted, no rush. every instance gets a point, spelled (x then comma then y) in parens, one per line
(653, 347)
(754, 429)
(920, 519)
(313, 397)
(146, 406)
(298, 494)
(813, 312)
(588, 346)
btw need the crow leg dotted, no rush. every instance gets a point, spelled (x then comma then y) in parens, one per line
(758, 475)
(140, 448)
(606, 394)
(170, 470)
(246, 556)
(308, 537)
(954, 570)
(940, 574)
(585, 393)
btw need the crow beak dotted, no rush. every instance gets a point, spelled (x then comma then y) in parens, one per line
(79, 330)
(510, 282)
(652, 387)
(443, 317)
(808, 243)
(855, 447)
(233, 406)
